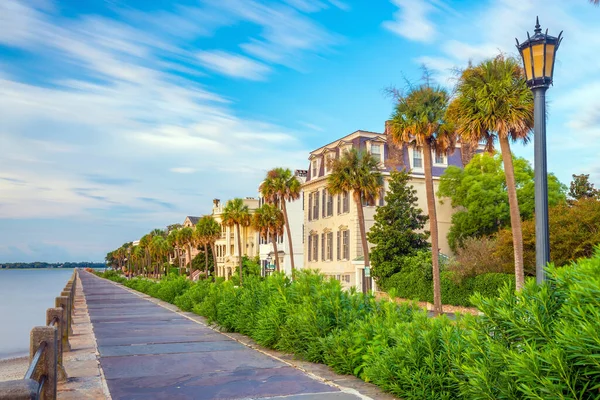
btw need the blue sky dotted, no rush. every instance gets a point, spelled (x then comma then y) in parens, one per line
(120, 116)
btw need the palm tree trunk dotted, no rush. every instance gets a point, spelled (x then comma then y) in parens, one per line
(289, 236)
(433, 228)
(515, 214)
(239, 242)
(206, 260)
(274, 241)
(189, 245)
(363, 237)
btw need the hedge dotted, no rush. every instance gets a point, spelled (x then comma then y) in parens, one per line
(413, 285)
(542, 342)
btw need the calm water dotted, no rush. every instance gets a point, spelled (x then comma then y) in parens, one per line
(24, 297)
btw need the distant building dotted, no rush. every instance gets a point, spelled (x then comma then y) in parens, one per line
(332, 240)
(295, 210)
(228, 253)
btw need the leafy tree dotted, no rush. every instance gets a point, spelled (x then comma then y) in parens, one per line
(268, 220)
(581, 187)
(480, 195)
(493, 103)
(237, 214)
(418, 120)
(279, 187)
(356, 172)
(574, 231)
(398, 229)
(208, 231)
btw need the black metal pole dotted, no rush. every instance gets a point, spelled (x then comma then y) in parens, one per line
(542, 236)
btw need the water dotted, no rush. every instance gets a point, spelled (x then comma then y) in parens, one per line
(25, 294)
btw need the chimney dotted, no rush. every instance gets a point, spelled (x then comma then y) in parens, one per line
(388, 126)
(216, 202)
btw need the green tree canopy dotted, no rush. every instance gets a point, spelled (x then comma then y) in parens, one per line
(398, 229)
(581, 187)
(479, 192)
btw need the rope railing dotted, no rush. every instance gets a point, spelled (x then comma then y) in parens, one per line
(47, 345)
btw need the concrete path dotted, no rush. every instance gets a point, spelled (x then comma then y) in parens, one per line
(150, 352)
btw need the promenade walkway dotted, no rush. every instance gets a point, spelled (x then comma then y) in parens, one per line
(150, 352)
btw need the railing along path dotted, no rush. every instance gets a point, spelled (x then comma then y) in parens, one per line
(46, 347)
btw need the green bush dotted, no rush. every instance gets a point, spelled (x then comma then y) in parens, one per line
(542, 342)
(415, 282)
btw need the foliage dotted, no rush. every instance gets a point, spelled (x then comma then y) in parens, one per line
(237, 214)
(414, 281)
(398, 229)
(475, 257)
(574, 231)
(581, 187)
(479, 193)
(357, 172)
(198, 261)
(542, 342)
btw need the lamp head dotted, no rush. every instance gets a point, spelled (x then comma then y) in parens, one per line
(539, 54)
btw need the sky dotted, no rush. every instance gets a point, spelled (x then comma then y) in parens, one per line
(121, 116)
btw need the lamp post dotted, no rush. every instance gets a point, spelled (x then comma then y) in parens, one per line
(539, 53)
(269, 259)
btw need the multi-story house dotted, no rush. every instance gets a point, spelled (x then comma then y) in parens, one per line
(331, 229)
(295, 210)
(190, 222)
(226, 247)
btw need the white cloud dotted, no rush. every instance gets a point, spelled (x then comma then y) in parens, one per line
(234, 65)
(411, 20)
(183, 170)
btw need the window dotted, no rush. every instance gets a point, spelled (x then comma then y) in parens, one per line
(346, 202)
(310, 248)
(315, 168)
(382, 196)
(310, 206)
(324, 193)
(346, 244)
(339, 204)
(439, 158)
(223, 231)
(330, 246)
(329, 204)
(376, 151)
(328, 160)
(346, 278)
(339, 245)
(323, 255)
(316, 205)
(417, 158)
(313, 247)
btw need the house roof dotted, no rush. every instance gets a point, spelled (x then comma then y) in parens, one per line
(193, 220)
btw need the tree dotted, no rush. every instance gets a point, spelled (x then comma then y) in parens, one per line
(279, 187)
(574, 232)
(492, 103)
(208, 231)
(418, 120)
(236, 213)
(186, 238)
(581, 187)
(174, 240)
(357, 172)
(398, 229)
(479, 194)
(268, 220)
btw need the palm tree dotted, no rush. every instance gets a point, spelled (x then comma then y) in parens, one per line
(173, 240)
(237, 214)
(494, 102)
(186, 238)
(418, 120)
(145, 245)
(357, 172)
(269, 220)
(279, 187)
(208, 230)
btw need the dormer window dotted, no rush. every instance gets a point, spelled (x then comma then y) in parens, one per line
(315, 168)
(376, 151)
(328, 160)
(440, 159)
(417, 158)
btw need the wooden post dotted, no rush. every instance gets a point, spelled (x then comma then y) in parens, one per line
(51, 314)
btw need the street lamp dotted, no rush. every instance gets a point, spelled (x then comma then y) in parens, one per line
(269, 259)
(539, 53)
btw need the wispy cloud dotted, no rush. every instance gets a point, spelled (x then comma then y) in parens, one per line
(157, 202)
(234, 65)
(183, 170)
(412, 20)
(109, 180)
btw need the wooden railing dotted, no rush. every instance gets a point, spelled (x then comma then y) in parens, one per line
(46, 347)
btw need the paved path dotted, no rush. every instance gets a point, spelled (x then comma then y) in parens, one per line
(149, 352)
